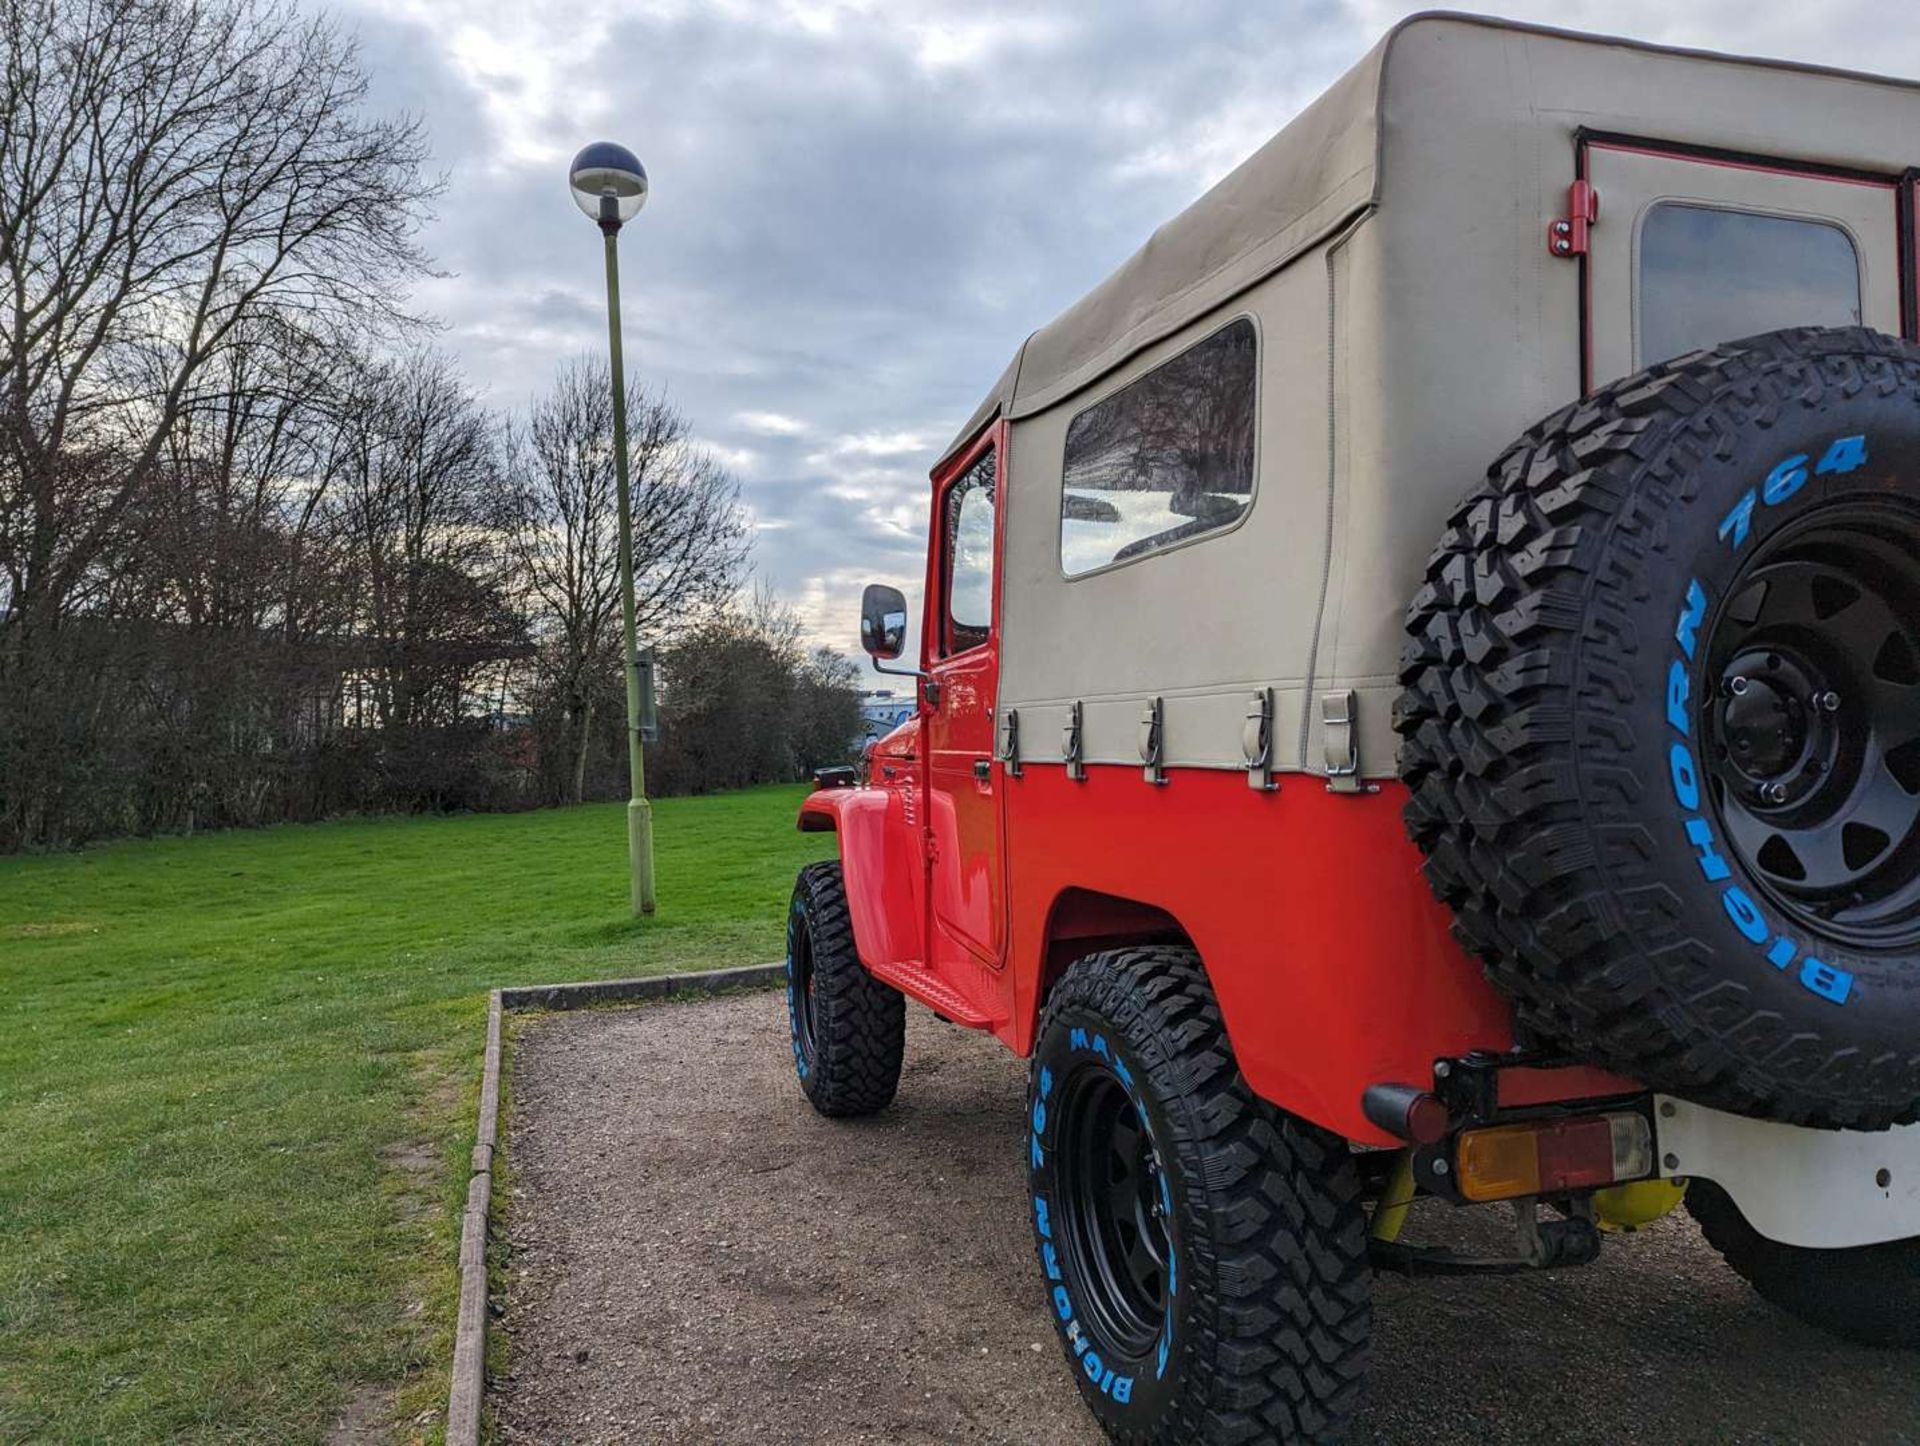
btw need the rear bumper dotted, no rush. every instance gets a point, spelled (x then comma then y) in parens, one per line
(1822, 1189)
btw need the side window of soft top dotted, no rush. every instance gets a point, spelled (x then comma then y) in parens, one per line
(1167, 458)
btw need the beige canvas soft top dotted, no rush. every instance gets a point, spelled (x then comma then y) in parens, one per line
(1390, 250)
(1301, 187)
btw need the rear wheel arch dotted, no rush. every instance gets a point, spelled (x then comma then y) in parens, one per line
(1085, 921)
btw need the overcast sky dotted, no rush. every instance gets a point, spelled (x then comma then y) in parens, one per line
(860, 207)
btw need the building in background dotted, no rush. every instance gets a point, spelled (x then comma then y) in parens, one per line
(882, 711)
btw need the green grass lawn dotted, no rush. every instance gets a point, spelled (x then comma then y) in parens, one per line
(237, 1086)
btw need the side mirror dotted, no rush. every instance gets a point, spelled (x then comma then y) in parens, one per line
(883, 633)
(883, 621)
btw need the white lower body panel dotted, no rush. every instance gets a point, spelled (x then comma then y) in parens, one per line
(1823, 1189)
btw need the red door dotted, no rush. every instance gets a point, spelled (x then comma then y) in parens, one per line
(965, 892)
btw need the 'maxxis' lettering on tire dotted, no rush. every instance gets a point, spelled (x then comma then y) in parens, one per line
(1818, 977)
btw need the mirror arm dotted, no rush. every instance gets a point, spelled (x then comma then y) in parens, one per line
(927, 680)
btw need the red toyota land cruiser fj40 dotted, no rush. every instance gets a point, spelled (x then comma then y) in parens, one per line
(1193, 668)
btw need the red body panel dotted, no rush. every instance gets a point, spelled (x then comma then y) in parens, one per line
(1331, 959)
(882, 839)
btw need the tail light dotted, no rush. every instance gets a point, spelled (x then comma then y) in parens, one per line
(1552, 1156)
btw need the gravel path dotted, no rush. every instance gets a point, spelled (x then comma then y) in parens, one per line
(697, 1256)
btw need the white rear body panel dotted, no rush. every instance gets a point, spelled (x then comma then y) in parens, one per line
(1822, 1189)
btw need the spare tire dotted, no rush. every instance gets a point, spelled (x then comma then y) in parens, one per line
(1661, 725)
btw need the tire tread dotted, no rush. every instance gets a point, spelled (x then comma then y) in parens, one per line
(1511, 740)
(859, 1023)
(1284, 1353)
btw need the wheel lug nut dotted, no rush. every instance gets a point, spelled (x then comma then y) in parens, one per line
(1737, 685)
(1774, 792)
(1828, 701)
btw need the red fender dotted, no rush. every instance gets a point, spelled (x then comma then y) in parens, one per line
(882, 861)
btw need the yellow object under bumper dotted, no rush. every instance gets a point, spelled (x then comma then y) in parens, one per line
(1395, 1201)
(1631, 1207)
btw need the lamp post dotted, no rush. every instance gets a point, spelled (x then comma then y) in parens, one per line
(610, 186)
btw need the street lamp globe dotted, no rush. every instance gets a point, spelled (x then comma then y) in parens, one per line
(609, 183)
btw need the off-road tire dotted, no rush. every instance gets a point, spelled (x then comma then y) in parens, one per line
(1549, 769)
(849, 1030)
(1869, 1294)
(1263, 1328)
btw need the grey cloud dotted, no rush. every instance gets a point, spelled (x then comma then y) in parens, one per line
(840, 232)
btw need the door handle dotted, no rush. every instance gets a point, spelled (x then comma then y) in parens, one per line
(983, 769)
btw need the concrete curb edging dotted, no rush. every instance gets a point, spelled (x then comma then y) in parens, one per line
(661, 986)
(467, 1391)
(470, 1321)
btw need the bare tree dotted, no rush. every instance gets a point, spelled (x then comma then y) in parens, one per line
(690, 535)
(169, 172)
(188, 190)
(416, 492)
(211, 573)
(743, 701)
(826, 710)
(228, 513)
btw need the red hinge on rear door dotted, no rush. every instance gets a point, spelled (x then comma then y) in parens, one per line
(1568, 236)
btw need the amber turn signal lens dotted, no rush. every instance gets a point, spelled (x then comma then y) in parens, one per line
(1552, 1157)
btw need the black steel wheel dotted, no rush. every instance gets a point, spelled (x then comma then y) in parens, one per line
(802, 981)
(1114, 1202)
(1814, 733)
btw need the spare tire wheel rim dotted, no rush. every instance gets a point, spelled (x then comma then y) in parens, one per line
(1811, 728)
